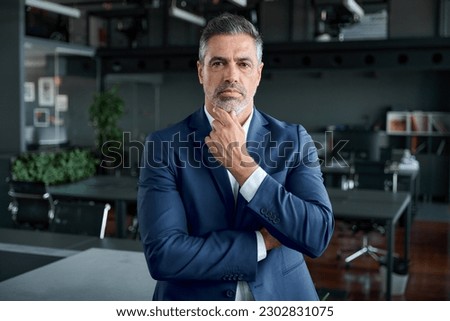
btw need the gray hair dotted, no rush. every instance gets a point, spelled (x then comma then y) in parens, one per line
(229, 24)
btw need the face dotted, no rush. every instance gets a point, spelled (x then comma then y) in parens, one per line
(230, 73)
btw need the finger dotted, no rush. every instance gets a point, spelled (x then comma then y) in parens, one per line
(211, 143)
(221, 115)
(214, 149)
(216, 124)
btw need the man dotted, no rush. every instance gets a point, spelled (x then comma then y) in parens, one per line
(230, 198)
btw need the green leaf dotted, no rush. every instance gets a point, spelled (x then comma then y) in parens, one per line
(54, 167)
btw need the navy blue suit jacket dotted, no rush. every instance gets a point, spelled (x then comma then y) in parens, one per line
(199, 242)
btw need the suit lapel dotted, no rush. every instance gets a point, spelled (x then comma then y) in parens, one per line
(258, 134)
(256, 146)
(200, 125)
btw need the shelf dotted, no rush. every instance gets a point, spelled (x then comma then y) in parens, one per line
(418, 123)
(420, 134)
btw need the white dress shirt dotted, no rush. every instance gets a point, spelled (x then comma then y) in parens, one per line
(247, 190)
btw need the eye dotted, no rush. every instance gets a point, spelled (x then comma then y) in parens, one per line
(245, 64)
(217, 63)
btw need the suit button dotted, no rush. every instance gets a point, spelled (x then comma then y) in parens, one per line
(276, 220)
(230, 293)
(264, 211)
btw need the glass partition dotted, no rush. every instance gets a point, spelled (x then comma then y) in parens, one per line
(60, 81)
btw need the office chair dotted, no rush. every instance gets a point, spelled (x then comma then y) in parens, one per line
(31, 204)
(80, 217)
(369, 175)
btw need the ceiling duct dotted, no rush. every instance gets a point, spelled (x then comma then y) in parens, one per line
(333, 15)
(54, 7)
(185, 15)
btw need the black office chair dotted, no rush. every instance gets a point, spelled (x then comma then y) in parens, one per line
(80, 217)
(31, 204)
(369, 175)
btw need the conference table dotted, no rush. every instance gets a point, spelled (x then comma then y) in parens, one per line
(122, 190)
(381, 206)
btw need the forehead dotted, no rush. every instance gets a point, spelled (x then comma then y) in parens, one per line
(230, 46)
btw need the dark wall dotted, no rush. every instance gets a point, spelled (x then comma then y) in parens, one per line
(5, 217)
(11, 105)
(315, 100)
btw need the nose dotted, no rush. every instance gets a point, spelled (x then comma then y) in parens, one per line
(231, 73)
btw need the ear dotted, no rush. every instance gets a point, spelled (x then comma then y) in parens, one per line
(200, 72)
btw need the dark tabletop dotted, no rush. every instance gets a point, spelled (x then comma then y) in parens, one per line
(107, 188)
(368, 204)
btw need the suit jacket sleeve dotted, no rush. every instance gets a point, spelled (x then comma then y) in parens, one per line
(298, 213)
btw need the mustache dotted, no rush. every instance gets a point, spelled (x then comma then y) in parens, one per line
(227, 86)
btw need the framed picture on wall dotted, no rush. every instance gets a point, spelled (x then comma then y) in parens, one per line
(46, 91)
(41, 117)
(29, 92)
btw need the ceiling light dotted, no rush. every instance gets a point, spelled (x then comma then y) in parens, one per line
(242, 3)
(54, 7)
(187, 16)
(353, 7)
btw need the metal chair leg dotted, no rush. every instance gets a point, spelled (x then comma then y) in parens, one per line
(374, 252)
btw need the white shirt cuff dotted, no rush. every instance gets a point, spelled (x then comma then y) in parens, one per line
(251, 185)
(262, 252)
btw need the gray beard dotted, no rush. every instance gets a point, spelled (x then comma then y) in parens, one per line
(229, 104)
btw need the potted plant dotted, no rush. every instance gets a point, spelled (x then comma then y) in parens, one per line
(104, 113)
(54, 167)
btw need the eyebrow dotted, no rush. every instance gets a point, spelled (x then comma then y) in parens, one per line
(220, 58)
(215, 58)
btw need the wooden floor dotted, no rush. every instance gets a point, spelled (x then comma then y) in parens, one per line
(429, 270)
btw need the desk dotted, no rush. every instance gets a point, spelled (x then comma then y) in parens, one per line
(381, 206)
(94, 274)
(72, 267)
(25, 250)
(120, 189)
(67, 242)
(341, 175)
